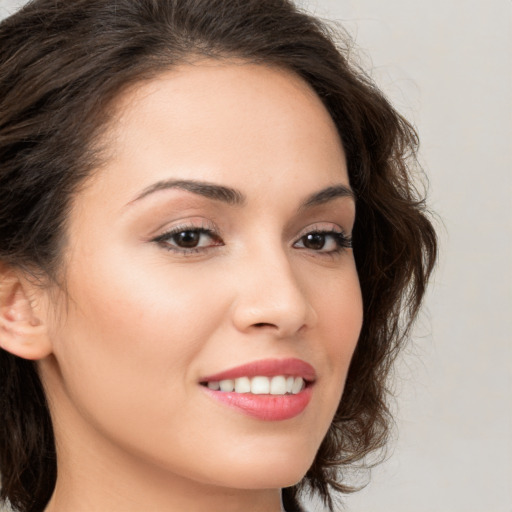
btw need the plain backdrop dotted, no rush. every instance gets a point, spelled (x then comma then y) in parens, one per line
(447, 66)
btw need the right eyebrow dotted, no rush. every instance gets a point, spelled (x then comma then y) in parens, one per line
(210, 190)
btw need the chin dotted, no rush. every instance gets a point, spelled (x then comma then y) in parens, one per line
(271, 471)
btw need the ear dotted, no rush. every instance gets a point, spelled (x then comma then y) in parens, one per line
(22, 331)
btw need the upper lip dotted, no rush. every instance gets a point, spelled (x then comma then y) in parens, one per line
(266, 368)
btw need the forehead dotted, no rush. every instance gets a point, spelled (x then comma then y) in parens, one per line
(223, 121)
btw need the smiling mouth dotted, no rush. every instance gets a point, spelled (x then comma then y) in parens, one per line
(259, 385)
(268, 389)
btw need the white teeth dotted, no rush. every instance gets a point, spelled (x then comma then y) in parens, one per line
(297, 385)
(289, 384)
(278, 385)
(243, 385)
(260, 385)
(227, 385)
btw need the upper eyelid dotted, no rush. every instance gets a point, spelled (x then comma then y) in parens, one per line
(322, 226)
(187, 225)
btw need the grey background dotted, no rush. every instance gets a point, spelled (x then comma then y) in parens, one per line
(446, 65)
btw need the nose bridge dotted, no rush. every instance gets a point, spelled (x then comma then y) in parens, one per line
(270, 294)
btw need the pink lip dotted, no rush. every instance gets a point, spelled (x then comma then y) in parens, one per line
(267, 368)
(266, 407)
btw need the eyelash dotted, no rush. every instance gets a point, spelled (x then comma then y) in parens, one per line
(341, 240)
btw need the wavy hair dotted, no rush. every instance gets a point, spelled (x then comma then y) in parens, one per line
(62, 64)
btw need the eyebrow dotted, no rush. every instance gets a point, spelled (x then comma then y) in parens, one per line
(209, 190)
(234, 197)
(328, 194)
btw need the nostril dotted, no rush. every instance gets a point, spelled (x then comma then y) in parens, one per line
(263, 324)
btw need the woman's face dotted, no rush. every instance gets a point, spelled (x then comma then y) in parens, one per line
(217, 235)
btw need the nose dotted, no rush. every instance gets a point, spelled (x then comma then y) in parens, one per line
(270, 296)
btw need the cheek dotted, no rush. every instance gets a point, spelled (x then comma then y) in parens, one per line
(344, 318)
(339, 306)
(144, 301)
(132, 330)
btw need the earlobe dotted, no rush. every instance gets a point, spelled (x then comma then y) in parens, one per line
(22, 332)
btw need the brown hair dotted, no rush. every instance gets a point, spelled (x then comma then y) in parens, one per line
(61, 65)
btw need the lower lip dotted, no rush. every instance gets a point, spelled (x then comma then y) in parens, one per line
(265, 407)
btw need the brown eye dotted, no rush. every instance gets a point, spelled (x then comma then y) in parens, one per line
(187, 239)
(314, 241)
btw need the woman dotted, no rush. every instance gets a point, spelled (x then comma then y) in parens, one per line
(211, 253)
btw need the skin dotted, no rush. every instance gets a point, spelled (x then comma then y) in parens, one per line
(143, 322)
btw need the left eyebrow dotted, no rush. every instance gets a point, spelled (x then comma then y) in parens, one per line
(326, 195)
